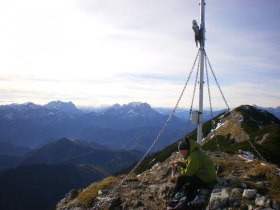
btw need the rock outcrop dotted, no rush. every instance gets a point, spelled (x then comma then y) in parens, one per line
(242, 185)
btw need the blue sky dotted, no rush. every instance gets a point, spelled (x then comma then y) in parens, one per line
(96, 52)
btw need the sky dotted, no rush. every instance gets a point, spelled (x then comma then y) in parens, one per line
(101, 52)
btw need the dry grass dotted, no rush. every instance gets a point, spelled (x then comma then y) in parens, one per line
(86, 198)
(231, 167)
(269, 173)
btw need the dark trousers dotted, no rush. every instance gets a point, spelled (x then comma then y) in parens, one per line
(193, 183)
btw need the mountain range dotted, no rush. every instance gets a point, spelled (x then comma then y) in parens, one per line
(48, 171)
(128, 126)
(131, 126)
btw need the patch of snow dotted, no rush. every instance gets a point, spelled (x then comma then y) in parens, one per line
(241, 119)
(248, 156)
(131, 113)
(247, 107)
(221, 116)
(219, 125)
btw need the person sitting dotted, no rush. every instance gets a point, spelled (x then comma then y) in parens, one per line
(195, 170)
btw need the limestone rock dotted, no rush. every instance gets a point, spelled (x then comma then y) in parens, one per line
(260, 200)
(250, 193)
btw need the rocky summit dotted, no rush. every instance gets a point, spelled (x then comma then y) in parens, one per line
(243, 184)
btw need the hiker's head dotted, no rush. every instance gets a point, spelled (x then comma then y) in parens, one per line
(184, 147)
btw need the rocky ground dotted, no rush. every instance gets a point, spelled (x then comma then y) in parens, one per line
(242, 184)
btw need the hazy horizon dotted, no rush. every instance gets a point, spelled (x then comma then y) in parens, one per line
(121, 104)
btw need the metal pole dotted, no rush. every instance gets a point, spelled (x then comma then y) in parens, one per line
(201, 77)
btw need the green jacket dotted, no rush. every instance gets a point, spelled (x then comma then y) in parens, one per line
(198, 163)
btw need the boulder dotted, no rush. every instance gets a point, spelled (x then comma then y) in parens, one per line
(249, 193)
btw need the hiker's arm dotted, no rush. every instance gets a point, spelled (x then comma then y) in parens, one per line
(192, 166)
(182, 164)
(181, 167)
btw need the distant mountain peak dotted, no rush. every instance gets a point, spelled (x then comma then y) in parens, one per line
(68, 107)
(116, 107)
(137, 104)
(25, 106)
(132, 110)
(131, 105)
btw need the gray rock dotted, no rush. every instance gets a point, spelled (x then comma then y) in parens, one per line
(260, 200)
(249, 193)
(268, 203)
(236, 192)
(275, 205)
(233, 181)
(219, 198)
(222, 182)
(243, 185)
(156, 165)
(250, 207)
(234, 202)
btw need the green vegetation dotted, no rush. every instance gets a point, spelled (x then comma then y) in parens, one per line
(269, 148)
(254, 119)
(224, 143)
